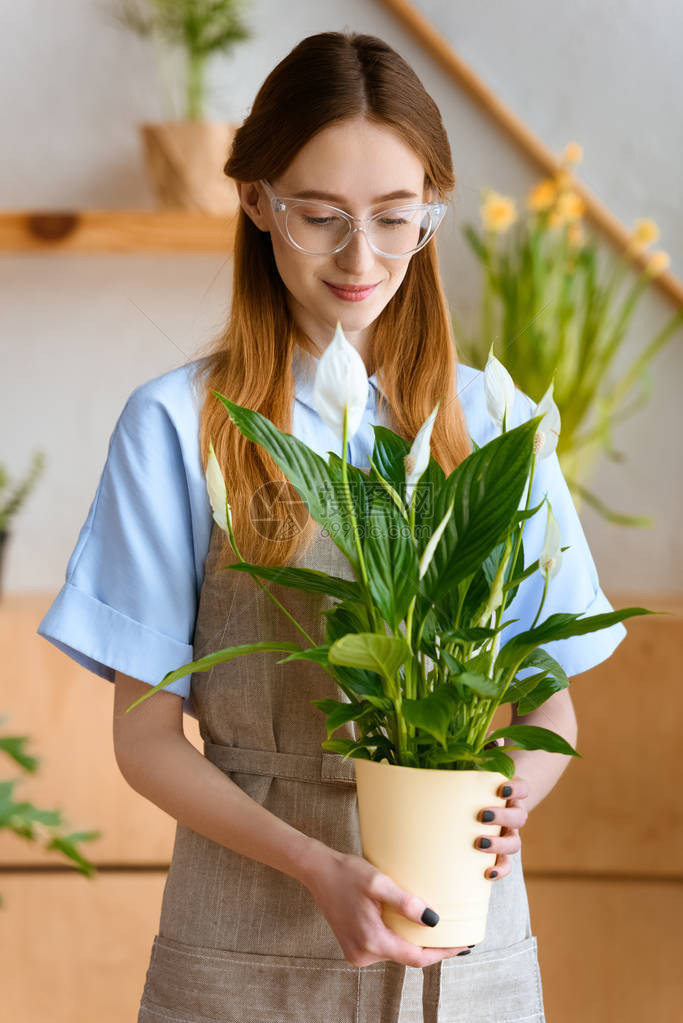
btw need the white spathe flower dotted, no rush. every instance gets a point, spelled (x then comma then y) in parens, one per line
(218, 494)
(341, 379)
(428, 552)
(548, 433)
(499, 388)
(417, 459)
(550, 560)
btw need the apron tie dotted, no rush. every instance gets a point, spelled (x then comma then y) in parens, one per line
(329, 768)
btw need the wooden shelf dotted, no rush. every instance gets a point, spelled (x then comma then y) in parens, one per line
(115, 231)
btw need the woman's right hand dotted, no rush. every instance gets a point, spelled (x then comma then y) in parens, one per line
(350, 891)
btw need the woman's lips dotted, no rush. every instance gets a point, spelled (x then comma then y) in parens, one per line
(351, 293)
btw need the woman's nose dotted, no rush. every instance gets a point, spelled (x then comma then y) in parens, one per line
(356, 257)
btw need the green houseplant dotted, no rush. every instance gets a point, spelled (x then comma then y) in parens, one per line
(185, 154)
(550, 307)
(414, 642)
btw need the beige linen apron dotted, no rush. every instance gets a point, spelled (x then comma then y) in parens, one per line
(241, 942)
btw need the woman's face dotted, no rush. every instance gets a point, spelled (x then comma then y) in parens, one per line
(354, 163)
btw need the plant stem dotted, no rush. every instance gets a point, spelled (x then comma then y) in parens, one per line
(354, 525)
(546, 576)
(196, 63)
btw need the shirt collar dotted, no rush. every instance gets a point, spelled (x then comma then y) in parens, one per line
(304, 368)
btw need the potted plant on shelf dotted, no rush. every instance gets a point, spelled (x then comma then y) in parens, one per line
(185, 155)
(551, 308)
(414, 643)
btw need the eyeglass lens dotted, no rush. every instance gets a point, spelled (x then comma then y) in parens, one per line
(319, 230)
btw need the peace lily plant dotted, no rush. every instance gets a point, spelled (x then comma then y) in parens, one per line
(415, 640)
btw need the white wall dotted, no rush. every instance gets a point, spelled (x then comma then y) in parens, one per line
(78, 333)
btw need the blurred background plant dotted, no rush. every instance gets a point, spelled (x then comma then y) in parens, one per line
(198, 29)
(549, 308)
(32, 822)
(10, 503)
(12, 496)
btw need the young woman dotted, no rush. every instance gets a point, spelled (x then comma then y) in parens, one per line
(270, 912)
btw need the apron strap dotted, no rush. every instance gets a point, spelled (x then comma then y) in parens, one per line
(431, 990)
(329, 768)
(392, 989)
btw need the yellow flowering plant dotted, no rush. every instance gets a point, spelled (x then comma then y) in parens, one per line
(551, 311)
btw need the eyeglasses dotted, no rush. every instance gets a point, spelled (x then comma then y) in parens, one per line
(320, 229)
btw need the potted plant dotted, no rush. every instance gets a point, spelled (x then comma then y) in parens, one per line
(550, 306)
(185, 155)
(11, 502)
(414, 642)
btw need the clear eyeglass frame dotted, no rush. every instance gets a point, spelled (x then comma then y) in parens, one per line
(281, 204)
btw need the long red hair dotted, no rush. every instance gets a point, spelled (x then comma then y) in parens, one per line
(326, 78)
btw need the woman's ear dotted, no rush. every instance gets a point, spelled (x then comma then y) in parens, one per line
(254, 202)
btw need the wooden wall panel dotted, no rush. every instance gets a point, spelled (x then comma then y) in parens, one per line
(619, 809)
(610, 950)
(76, 950)
(67, 713)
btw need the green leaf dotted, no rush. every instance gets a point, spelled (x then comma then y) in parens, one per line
(358, 490)
(352, 617)
(432, 713)
(486, 489)
(561, 626)
(370, 650)
(469, 635)
(391, 561)
(339, 713)
(388, 453)
(456, 751)
(534, 737)
(317, 654)
(13, 746)
(310, 580)
(218, 657)
(347, 747)
(479, 683)
(551, 680)
(395, 497)
(495, 760)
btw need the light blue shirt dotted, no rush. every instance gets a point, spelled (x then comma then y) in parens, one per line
(133, 581)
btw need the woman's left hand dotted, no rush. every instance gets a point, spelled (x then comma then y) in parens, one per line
(511, 817)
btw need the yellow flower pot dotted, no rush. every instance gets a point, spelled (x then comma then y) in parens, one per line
(419, 826)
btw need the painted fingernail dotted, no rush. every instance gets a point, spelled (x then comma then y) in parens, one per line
(507, 790)
(465, 952)
(494, 873)
(487, 815)
(484, 843)
(429, 917)
(471, 946)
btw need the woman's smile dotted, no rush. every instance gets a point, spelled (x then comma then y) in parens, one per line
(351, 292)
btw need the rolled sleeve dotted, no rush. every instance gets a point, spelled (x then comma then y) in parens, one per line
(130, 599)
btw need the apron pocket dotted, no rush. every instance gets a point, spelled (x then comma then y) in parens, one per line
(502, 985)
(195, 984)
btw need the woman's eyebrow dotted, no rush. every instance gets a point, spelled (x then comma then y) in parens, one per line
(313, 193)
